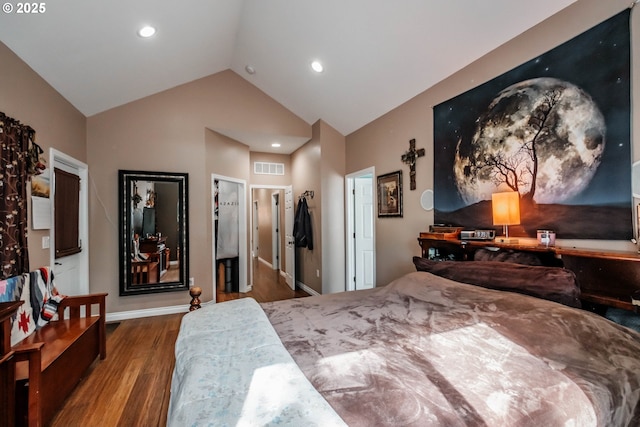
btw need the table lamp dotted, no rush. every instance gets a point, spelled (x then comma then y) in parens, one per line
(506, 211)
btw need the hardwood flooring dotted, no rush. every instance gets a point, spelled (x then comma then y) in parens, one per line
(268, 285)
(131, 386)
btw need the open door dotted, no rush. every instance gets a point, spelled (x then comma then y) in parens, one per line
(364, 239)
(69, 234)
(360, 238)
(290, 249)
(220, 232)
(275, 231)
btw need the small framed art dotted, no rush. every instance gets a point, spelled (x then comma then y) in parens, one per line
(390, 194)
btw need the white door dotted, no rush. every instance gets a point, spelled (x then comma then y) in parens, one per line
(364, 233)
(360, 229)
(275, 231)
(256, 234)
(71, 272)
(290, 249)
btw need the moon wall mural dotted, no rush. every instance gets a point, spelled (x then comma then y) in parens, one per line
(556, 130)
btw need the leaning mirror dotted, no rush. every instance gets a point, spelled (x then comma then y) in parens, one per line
(153, 224)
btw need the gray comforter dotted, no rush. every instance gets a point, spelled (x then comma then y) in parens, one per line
(428, 351)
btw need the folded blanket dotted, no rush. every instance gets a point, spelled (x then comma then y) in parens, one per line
(40, 297)
(44, 295)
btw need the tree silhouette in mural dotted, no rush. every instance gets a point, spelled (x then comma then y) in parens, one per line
(517, 169)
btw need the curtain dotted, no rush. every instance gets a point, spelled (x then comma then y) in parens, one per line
(15, 140)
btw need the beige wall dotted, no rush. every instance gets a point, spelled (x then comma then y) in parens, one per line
(271, 180)
(173, 131)
(319, 166)
(26, 97)
(305, 174)
(332, 172)
(383, 141)
(263, 197)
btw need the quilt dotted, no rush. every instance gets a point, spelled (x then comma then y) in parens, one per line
(232, 370)
(428, 351)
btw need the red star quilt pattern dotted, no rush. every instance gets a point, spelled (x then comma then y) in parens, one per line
(23, 324)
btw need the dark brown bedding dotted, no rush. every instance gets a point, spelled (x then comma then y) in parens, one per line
(428, 351)
(552, 283)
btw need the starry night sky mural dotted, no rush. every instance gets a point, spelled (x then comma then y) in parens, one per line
(556, 129)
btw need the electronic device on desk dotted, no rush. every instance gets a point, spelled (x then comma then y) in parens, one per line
(477, 234)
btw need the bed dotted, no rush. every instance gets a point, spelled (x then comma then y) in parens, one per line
(423, 350)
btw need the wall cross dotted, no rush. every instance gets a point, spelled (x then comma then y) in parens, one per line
(410, 158)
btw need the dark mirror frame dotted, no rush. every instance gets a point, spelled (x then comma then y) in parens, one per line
(125, 180)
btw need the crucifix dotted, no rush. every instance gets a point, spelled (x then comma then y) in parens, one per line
(410, 158)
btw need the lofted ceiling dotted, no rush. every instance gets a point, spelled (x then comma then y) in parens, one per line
(377, 54)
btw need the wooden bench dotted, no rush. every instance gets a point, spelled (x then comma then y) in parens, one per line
(51, 361)
(7, 364)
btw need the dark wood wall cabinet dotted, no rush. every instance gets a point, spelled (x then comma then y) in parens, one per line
(606, 278)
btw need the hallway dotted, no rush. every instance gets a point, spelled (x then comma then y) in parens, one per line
(268, 286)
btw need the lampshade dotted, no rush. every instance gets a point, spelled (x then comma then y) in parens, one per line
(506, 208)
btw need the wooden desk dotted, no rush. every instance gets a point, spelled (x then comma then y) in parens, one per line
(145, 271)
(606, 278)
(158, 251)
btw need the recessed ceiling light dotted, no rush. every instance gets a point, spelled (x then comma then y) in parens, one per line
(317, 66)
(275, 145)
(146, 31)
(249, 69)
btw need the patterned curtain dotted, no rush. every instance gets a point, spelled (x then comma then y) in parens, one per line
(15, 140)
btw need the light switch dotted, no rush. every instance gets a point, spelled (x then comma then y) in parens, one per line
(45, 242)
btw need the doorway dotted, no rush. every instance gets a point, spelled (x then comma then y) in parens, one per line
(267, 237)
(276, 240)
(72, 271)
(233, 212)
(360, 237)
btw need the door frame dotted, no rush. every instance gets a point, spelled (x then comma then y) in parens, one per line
(350, 222)
(252, 227)
(58, 159)
(276, 241)
(242, 233)
(255, 241)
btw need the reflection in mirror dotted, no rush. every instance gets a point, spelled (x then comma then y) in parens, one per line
(153, 232)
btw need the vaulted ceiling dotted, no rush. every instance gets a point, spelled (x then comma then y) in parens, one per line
(377, 54)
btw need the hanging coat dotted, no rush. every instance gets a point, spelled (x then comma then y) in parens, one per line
(302, 226)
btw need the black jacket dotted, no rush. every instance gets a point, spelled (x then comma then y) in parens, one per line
(302, 226)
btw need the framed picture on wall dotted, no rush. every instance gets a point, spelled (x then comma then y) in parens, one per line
(390, 194)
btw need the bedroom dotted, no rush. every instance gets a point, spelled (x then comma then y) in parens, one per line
(108, 142)
(107, 147)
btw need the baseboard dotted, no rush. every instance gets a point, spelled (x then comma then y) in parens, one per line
(307, 289)
(300, 285)
(267, 263)
(147, 312)
(161, 311)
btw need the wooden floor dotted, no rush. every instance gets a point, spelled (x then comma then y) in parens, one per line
(131, 387)
(268, 285)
